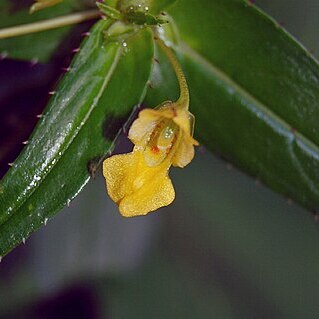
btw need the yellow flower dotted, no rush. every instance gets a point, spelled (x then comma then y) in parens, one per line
(138, 182)
(41, 4)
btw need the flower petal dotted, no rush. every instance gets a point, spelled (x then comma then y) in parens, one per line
(135, 187)
(158, 192)
(185, 152)
(143, 126)
(184, 120)
(117, 172)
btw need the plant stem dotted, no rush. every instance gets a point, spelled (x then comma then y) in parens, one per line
(184, 92)
(49, 24)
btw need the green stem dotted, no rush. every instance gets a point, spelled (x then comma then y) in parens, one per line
(49, 24)
(183, 99)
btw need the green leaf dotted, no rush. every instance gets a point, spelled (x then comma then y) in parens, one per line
(43, 43)
(254, 91)
(82, 119)
(159, 5)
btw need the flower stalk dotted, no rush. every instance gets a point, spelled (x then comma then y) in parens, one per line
(183, 87)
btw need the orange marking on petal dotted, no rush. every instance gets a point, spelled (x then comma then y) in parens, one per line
(155, 149)
(174, 111)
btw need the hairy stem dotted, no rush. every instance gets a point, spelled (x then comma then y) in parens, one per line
(49, 24)
(184, 92)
